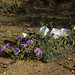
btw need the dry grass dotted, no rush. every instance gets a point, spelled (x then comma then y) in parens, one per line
(28, 5)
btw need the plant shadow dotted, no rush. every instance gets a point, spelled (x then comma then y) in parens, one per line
(3, 53)
(33, 18)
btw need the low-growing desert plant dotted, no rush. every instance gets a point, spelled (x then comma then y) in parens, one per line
(34, 46)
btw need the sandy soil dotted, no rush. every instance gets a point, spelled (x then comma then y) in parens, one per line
(58, 67)
(11, 24)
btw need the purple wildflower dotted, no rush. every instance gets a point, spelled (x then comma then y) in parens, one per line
(37, 51)
(29, 41)
(12, 63)
(16, 51)
(8, 44)
(27, 49)
(4, 47)
(25, 45)
(20, 37)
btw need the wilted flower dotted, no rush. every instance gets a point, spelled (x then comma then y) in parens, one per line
(37, 51)
(16, 51)
(4, 47)
(25, 45)
(74, 28)
(43, 31)
(24, 35)
(29, 41)
(27, 49)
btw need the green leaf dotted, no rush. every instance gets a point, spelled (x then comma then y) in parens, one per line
(15, 33)
(12, 49)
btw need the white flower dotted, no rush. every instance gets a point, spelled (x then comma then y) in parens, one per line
(24, 35)
(55, 36)
(65, 32)
(74, 28)
(55, 32)
(43, 31)
(59, 32)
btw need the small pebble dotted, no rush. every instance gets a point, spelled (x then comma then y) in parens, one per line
(13, 72)
(70, 59)
(73, 59)
(72, 70)
(4, 73)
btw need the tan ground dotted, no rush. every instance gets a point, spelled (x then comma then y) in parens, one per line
(11, 24)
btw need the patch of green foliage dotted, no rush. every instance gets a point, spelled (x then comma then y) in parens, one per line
(11, 7)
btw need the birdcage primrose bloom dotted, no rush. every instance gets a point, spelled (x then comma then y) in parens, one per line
(59, 32)
(43, 31)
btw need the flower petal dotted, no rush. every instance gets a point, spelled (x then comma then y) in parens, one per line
(24, 35)
(16, 51)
